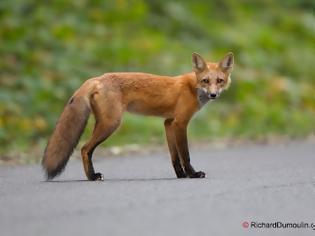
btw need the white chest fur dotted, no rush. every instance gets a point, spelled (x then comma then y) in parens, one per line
(203, 97)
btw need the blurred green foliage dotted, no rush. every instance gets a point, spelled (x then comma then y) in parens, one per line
(48, 48)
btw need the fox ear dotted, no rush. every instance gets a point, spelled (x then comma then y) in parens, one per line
(198, 63)
(226, 64)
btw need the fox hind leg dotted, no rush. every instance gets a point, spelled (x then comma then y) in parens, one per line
(107, 120)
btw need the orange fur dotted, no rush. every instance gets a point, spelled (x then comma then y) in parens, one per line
(175, 99)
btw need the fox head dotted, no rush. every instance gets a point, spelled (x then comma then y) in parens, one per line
(212, 78)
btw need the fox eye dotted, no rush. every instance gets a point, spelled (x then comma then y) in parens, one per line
(219, 81)
(205, 81)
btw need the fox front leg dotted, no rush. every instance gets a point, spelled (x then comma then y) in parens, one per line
(170, 137)
(180, 131)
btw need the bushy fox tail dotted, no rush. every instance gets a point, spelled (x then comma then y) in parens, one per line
(65, 137)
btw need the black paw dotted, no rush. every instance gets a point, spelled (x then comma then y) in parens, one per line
(181, 174)
(97, 177)
(198, 174)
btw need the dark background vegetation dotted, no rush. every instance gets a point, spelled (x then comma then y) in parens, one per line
(48, 48)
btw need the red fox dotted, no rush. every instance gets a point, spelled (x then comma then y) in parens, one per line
(108, 96)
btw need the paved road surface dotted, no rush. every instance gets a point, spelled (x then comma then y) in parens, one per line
(140, 195)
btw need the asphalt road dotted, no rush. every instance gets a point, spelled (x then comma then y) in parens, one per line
(140, 195)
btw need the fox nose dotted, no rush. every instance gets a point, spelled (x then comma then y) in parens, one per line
(213, 95)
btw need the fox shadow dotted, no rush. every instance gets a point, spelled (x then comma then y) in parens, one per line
(111, 180)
